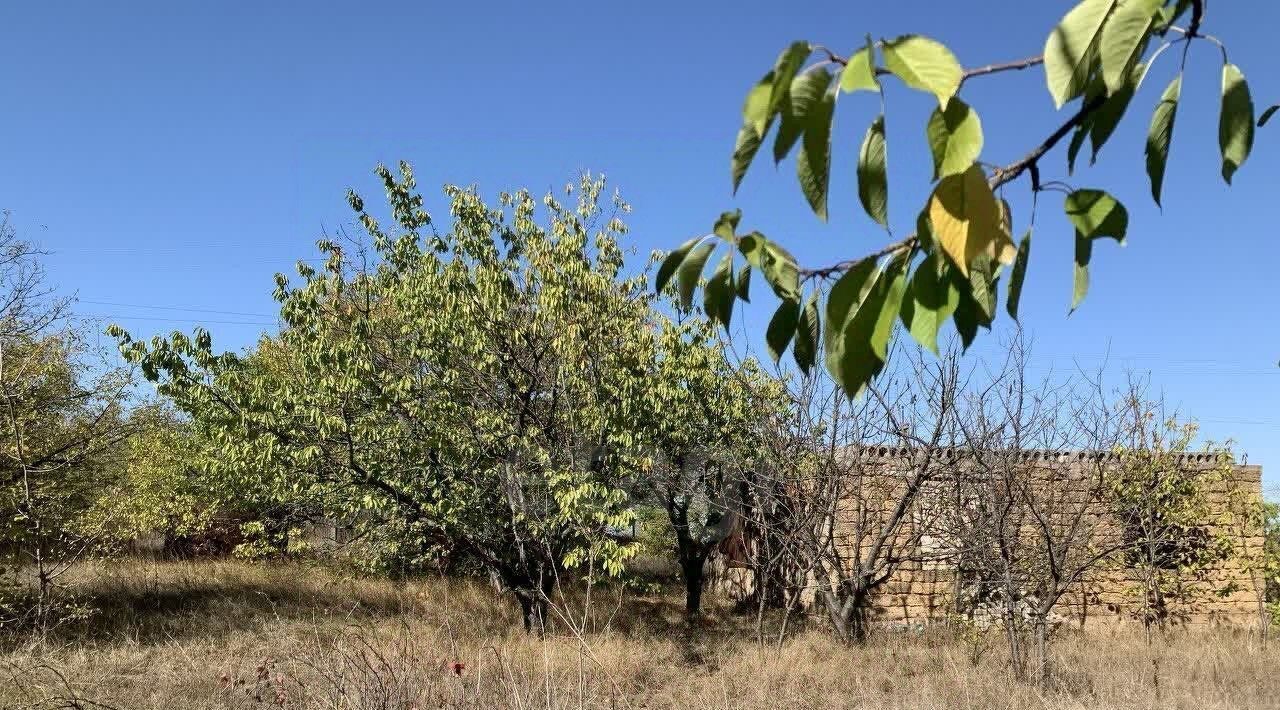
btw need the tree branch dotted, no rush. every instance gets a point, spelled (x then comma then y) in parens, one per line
(1018, 65)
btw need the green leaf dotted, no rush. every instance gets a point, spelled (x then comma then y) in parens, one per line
(924, 231)
(813, 164)
(806, 91)
(1103, 121)
(727, 225)
(784, 71)
(849, 291)
(1235, 122)
(1019, 273)
(775, 263)
(1168, 15)
(924, 64)
(982, 288)
(718, 295)
(1080, 280)
(672, 262)
(1122, 40)
(807, 335)
(757, 109)
(955, 137)
(1160, 134)
(744, 151)
(782, 327)
(966, 318)
(873, 178)
(1096, 214)
(1266, 115)
(1073, 149)
(1071, 49)
(931, 299)
(763, 101)
(894, 284)
(865, 334)
(860, 73)
(690, 271)
(743, 283)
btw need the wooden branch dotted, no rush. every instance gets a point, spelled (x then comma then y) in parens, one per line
(1018, 65)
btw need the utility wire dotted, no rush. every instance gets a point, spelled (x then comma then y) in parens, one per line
(176, 308)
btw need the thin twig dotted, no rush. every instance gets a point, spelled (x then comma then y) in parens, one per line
(1018, 65)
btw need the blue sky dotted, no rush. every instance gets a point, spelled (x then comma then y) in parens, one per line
(176, 155)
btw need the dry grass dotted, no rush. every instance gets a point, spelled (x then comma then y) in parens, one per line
(231, 635)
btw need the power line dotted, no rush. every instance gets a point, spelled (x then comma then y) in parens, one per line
(108, 316)
(176, 308)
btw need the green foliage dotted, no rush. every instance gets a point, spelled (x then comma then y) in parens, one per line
(159, 487)
(1160, 135)
(476, 388)
(704, 417)
(1235, 122)
(955, 137)
(924, 64)
(1099, 52)
(1095, 214)
(1167, 514)
(1018, 275)
(873, 180)
(1071, 50)
(932, 297)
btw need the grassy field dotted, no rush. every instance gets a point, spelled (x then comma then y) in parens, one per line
(234, 635)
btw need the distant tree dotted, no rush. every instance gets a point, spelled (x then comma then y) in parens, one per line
(1162, 503)
(962, 237)
(477, 390)
(62, 422)
(704, 432)
(159, 487)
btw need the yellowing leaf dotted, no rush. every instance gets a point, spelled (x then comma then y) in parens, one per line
(966, 219)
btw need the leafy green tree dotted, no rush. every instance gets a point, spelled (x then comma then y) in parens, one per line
(1163, 505)
(704, 436)
(61, 424)
(159, 487)
(477, 389)
(961, 241)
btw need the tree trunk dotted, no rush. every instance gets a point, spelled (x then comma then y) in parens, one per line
(533, 610)
(849, 617)
(1042, 653)
(693, 569)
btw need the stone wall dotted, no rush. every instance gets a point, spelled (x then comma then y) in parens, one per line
(926, 589)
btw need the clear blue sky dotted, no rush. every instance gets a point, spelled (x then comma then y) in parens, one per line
(176, 155)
